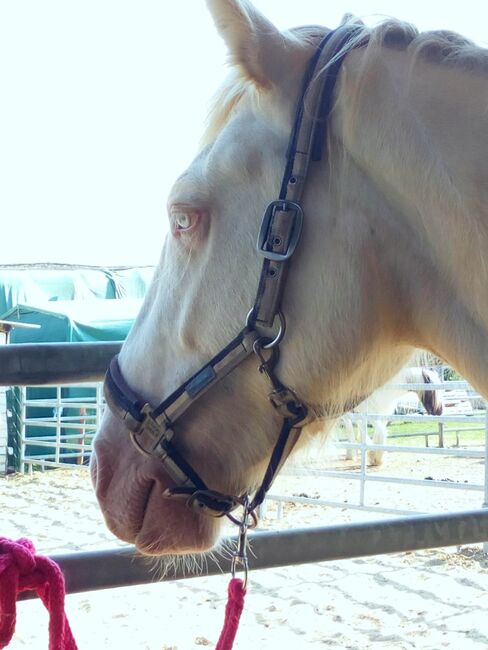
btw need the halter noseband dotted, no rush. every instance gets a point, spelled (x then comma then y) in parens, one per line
(151, 429)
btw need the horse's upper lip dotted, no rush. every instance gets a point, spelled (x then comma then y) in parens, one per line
(124, 495)
(136, 511)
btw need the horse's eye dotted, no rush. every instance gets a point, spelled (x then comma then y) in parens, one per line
(187, 221)
(183, 220)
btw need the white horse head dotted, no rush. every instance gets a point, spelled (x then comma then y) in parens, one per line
(391, 256)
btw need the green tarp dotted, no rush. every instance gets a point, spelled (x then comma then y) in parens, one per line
(68, 320)
(28, 286)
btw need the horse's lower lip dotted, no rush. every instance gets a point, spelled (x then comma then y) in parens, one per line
(128, 526)
(170, 527)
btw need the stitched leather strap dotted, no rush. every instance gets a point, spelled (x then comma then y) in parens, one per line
(283, 227)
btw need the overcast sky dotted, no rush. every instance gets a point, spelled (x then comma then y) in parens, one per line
(102, 104)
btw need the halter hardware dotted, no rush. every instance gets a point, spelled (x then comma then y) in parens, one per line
(212, 503)
(265, 232)
(239, 557)
(152, 429)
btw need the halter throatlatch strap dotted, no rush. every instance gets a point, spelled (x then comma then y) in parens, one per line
(151, 428)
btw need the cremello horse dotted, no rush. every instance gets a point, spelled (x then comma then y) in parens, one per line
(384, 401)
(392, 256)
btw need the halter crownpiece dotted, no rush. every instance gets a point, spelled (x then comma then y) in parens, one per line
(151, 428)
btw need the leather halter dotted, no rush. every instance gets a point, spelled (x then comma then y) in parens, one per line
(151, 429)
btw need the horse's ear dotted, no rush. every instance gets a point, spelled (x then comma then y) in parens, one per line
(254, 43)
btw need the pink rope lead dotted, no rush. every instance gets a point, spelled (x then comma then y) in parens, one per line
(22, 570)
(233, 610)
(237, 587)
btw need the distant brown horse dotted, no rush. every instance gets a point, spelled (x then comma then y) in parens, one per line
(392, 256)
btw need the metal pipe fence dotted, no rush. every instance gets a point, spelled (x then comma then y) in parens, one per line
(364, 476)
(38, 364)
(88, 571)
(124, 567)
(72, 420)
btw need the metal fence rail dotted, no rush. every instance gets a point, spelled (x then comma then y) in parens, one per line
(38, 364)
(124, 567)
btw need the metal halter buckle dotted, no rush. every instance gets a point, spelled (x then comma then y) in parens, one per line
(288, 405)
(283, 205)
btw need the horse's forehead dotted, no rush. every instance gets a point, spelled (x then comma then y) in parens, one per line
(235, 154)
(189, 186)
(247, 134)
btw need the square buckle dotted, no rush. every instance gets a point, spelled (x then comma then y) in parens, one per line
(282, 205)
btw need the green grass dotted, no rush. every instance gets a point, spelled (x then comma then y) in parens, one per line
(404, 430)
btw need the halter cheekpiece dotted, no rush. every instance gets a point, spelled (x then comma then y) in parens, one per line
(151, 428)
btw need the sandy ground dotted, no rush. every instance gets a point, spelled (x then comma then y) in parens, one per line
(427, 600)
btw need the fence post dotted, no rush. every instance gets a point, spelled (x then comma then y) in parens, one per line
(485, 502)
(59, 412)
(441, 434)
(364, 454)
(4, 332)
(3, 432)
(22, 428)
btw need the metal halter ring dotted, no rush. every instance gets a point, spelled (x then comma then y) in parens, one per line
(279, 336)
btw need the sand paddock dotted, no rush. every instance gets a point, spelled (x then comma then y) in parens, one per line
(428, 600)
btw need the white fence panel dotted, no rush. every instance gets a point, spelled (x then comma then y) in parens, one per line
(62, 436)
(3, 430)
(460, 422)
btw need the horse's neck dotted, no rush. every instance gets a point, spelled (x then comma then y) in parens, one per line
(419, 134)
(384, 400)
(420, 131)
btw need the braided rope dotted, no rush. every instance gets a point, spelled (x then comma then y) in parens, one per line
(22, 570)
(233, 610)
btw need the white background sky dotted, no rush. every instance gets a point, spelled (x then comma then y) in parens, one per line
(101, 108)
